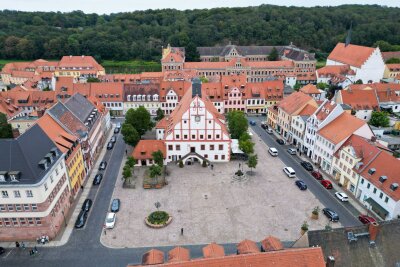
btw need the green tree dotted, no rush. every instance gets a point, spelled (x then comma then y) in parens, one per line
(237, 123)
(155, 171)
(158, 157)
(252, 162)
(245, 136)
(130, 162)
(246, 146)
(126, 173)
(140, 119)
(322, 86)
(297, 86)
(5, 127)
(393, 60)
(93, 80)
(379, 119)
(130, 134)
(203, 79)
(191, 53)
(359, 81)
(159, 115)
(273, 56)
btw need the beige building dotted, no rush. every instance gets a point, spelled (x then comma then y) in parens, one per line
(391, 71)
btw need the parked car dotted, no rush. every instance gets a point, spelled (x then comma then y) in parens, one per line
(307, 165)
(112, 117)
(327, 184)
(342, 196)
(264, 126)
(301, 184)
(289, 172)
(97, 179)
(110, 220)
(280, 141)
(118, 125)
(292, 151)
(273, 151)
(366, 219)
(81, 220)
(87, 204)
(115, 204)
(116, 130)
(253, 123)
(113, 139)
(269, 130)
(103, 165)
(2, 250)
(317, 175)
(331, 214)
(110, 145)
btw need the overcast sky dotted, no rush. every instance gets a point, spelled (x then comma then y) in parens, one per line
(113, 6)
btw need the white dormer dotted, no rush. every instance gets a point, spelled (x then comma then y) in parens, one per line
(128, 97)
(134, 98)
(148, 97)
(155, 97)
(139, 98)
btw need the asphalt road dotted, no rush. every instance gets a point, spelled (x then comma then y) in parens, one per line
(84, 248)
(347, 213)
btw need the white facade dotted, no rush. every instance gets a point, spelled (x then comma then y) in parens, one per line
(149, 102)
(198, 131)
(171, 101)
(364, 114)
(371, 71)
(297, 130)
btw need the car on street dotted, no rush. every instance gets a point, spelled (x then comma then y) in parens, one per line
(253, 123)
(342, 196)
(87, 204)
(327, 184)
(301, 184)
(289, 172)
(113, 139)
(2, 250)
(264, 126)
(273, 151)
(112, 117)
(331, 214)
(115, 205)
(110, 145)
(118, 125)
(97, 179)
(291, 151)
(116, 130)
(110, 220)
(269, 130)
(103, 165)
(81, 220)
(317, 175)
(307, 165)
(365, 219)
(280, 141)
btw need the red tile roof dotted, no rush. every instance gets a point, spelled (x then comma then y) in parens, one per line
(247, 246)
(79, 61)
(308, 110)
(162, 124)
(294, 102)
(310, 89)
(178, 254)
(360, 99)
(334, 70)
(389, 55)
(325, 110)
(145, 148)
(271, 243)
(213, 250)
(354, 55)
(393, 67)
(153, 257)
(341, 128)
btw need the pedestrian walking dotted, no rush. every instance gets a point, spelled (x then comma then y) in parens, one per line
(181, 231)
(22, 245)
(212, 166)
(126, 151)
(16, 244)
(31, 252)
(35, 249)
(82, 187)
(105, 232)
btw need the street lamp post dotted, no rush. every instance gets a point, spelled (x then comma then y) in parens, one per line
(65, 221)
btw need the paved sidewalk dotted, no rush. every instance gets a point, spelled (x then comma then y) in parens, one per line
(63, 237)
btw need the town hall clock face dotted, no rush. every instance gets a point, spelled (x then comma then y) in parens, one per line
(197, 118)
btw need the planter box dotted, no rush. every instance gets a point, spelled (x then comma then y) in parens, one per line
(157, 226)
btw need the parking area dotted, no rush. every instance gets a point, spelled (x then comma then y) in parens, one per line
(212, 206)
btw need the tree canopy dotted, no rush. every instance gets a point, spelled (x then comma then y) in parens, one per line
(5, 127)
(237, 123)
(131, 136)
(379, 119)
(141, 34)
(159, 115)
(273, 56)
(252, 162)
(158, 157)
(140, 119)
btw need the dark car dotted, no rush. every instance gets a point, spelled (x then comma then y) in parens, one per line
(87, 204)
(264, 126)
(97, 179)
(301, 184)
(103, 165)
(2, 250)
(81, 220)
(110, 145)
(327, 184)
(253, 123)
(366, 219)
(113, 139)
(332, 215)
(115, 204)
(307, 165)
(280, 141)
(317, 175)
(116, 130)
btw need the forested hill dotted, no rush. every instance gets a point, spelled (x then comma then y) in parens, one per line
(140, 35)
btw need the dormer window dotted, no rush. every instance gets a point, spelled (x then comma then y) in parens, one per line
(371, 171)
(49, 157)
(3, 175)
(54, 151)
(43, 164)
(394, 186)
(382, 179)
(14, 176)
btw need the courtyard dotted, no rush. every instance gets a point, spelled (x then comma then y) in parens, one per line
(211, 206)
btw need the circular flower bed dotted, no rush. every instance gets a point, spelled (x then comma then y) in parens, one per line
(158, 219)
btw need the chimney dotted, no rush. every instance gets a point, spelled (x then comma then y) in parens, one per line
(330, 261)
(373, 229)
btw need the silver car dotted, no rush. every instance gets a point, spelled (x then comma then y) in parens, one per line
(292, 151)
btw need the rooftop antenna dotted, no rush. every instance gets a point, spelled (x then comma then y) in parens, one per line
(348, 37)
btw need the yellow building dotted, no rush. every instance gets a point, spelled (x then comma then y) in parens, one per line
(79, 66)
(391, 71)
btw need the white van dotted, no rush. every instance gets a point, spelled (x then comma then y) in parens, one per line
(273, 151)
(289, 172)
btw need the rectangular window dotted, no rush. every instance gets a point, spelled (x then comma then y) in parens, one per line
(14, 221)
(217, 136)
(202, 147)
(193, 136)
(362, 181)
(223, 157)
(22, 221)
(34, 207)
(18, 207)
(201, 136)
(170, 147)
(2, 207)
(45, 187)
(4, 194)
(29, 193)
(7, 222)
(177, 136)
(215, 157)
(178, 147)
(381, 195)
(386, 199)
(374, 190)
(368, 185)
(185, 136)
(10, 207)
(31, 222)
(26, 207)
(17, 194)
(211, 147)
(209, 136)
(38, 221)
(221, 147)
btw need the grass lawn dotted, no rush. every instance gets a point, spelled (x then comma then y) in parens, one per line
(133, 66)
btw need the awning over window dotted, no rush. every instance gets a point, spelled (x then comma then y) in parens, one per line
(378, 209)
